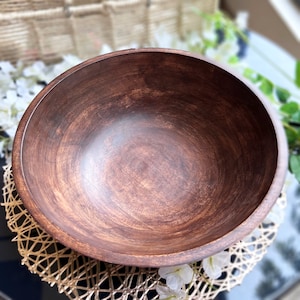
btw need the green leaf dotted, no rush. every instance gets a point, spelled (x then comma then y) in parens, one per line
(290, 108)
(282, 94)
(291, 135)
(233, 60)
(295, 165)
(251, 75)
(266, 86)
(297, 74)
(295, 118)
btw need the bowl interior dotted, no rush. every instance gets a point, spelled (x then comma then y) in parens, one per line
(145, 157)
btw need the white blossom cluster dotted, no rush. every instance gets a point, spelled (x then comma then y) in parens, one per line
(179, 277)
(18, 86)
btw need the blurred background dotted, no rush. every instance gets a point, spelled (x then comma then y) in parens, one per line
(278, 21)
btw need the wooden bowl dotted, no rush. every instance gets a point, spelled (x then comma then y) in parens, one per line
(149, 157)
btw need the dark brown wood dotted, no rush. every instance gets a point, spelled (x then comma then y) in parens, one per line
(149, 157)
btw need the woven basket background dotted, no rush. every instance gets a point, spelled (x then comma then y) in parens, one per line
(47, 29)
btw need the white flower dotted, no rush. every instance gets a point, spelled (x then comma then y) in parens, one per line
(37, 69)
(209, 31)
(22, 86)
(13, 102)
(165, 293)
(6, 67)
(176, 276)
(68, 62)
(12, 108)
(71, 60)
(214, 265)
(27, 89)
(241, 20)
(7, 102)
(11, 131)
(6, 83)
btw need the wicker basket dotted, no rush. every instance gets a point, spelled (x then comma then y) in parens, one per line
(47, 29)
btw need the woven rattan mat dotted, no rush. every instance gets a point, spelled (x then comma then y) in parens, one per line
(81, 277)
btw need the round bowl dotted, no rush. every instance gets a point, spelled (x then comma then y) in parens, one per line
(149, 157)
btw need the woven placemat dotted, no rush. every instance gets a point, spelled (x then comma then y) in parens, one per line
(81, 277)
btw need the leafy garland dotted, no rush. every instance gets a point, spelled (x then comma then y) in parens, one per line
(288, 105)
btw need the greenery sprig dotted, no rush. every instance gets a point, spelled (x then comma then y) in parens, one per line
(289, 110)
(287, 103)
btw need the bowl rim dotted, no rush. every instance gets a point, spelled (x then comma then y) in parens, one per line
(176, 258)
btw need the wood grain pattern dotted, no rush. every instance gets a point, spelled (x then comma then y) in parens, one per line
(149, 157)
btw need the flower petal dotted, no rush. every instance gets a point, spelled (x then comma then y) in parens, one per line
(186, 273)
(212, 271)
(164, 271)
(213, 265)
(174, 282)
